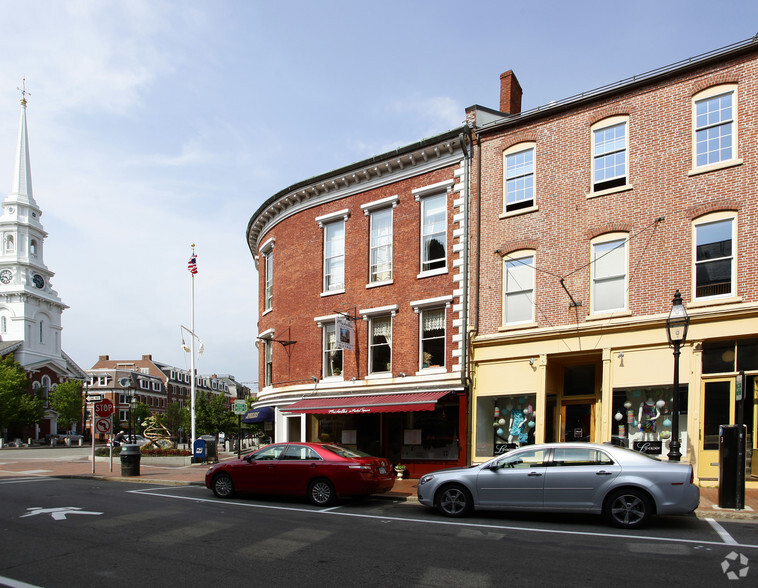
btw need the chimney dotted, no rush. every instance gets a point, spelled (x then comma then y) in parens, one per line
(103, 358)
(147, 358)
(510, 93)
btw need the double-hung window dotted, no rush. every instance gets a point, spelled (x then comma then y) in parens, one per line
(519, 177)
(715, 131)
(432, 337)
(268, 355)
(714, 242)
(332, 353)
(609, 274)
(610, 144)
(434, 232)
(334, 256)
(518, 288)
(269, 279)
(380, 344)
(381, 246)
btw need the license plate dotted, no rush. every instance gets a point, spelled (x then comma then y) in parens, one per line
(382, 470)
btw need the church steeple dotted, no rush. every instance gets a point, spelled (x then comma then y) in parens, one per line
(21, 191)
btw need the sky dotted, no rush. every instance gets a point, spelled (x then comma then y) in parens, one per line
(156, 124)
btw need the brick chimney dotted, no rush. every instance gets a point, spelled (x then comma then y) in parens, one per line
(147, 358)
(103, 358)
(510, 93)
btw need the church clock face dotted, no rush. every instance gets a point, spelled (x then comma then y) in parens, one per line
(6, 276)
(38, 280)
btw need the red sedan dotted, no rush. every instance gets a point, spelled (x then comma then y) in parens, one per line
(321, 471)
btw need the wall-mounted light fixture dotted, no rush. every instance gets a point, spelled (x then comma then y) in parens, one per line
(531, 361)
(402, 374)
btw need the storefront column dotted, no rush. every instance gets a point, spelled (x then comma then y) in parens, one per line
(606, 398)
(694, 391)
(541, 402)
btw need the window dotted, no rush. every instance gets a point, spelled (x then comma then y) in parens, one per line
(433, 337)
(433, 232)
(381, 246)
(3, 325)
(609, 148)
(531, 458)
(41, 331)
(269, 279)
(334, 256)
(714, 257)
(609, 261)
(380, 344)
(518, 289)
(332, 353)
(268, 352)
(10, 244)
(144, 384)
(714, 127)
(156, 386)
(580, 456)
(33, 247)
(519, 177)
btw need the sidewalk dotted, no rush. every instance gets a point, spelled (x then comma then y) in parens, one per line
(16, 464)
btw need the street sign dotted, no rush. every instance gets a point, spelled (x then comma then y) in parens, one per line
(103, 425)
(240, 407)
(104, 408)
(93, 397)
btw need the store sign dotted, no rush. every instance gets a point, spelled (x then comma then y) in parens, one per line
(344, 328)
(649, 447)
(501, 448)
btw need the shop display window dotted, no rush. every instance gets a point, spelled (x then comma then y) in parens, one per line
(504, 423)
(431, 434)
(642, 417)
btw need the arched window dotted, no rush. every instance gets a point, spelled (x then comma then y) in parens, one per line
(41, 330)
(3, 325)
(10, 244)
(33, 248)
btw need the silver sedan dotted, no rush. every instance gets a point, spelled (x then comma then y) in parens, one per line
(625, 486)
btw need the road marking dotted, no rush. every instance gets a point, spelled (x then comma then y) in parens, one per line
(697, 542)
(21, 480)
(15, 583)
(728, 539)
(59, 513)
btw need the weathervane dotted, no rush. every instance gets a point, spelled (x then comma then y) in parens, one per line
(23, 91)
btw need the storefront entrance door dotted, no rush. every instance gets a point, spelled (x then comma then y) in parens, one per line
(717, 408)
(577, 420)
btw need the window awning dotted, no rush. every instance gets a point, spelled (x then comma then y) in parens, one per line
(410, 401)
(259, 415)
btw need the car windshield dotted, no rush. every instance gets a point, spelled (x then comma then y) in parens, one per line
(344, 451)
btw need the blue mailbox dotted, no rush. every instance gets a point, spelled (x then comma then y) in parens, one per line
(198, 451)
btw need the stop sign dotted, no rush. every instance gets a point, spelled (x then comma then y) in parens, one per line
(104, 408)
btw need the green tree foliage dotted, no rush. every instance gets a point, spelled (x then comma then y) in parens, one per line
(18, 407)
(67, 401)
(213, 415)
(176, 417)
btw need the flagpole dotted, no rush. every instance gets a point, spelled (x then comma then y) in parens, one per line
(192, 351)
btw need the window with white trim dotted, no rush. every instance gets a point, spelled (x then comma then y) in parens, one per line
(268, 361)
(334, 256)
(518, 288)
(609, 273)
(432, 337)
(715, 132)
(434, 232)
(380, 344)
(610, 144)
(519, 177)
(714, 243)
(380, 263)
(332, 353)
(269, 269)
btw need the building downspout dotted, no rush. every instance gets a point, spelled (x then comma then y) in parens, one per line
(465, 139)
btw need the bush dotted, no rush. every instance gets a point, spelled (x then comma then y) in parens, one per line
(153, 452)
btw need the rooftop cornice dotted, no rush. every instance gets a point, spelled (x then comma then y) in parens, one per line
(411, 160)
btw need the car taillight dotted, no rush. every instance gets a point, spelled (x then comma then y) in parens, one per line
(360, 466)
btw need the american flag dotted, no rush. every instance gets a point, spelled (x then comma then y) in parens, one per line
(192, 264)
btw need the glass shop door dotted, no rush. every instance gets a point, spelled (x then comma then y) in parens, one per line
(716, 408)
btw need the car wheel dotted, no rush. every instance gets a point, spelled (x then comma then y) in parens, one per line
(223, 486)
(321, 492)
(454, 501)
(628, 509)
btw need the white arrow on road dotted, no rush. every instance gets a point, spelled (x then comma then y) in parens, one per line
(59, 513)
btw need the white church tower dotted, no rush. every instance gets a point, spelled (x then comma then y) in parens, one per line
(30, 310)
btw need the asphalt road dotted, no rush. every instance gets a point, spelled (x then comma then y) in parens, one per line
(69, 532)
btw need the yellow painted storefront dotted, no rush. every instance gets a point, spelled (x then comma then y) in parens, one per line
(597, 382)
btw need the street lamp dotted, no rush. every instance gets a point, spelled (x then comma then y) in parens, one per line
(191, 350)
(132, 417)
(677, 324)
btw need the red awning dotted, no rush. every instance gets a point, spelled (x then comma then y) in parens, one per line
(367, 404)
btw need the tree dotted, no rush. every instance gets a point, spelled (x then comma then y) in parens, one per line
(176, 417)
(67, 401)
(18, 407)
(213, 415)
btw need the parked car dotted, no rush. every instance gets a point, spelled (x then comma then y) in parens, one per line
(625, 486)
(322, 472)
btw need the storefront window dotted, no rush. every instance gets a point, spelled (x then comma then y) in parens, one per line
(504, 423)
(642, 417)
(431, 435)
(719, 356)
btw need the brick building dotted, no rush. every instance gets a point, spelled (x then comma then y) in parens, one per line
(592, 211)
(362, 276)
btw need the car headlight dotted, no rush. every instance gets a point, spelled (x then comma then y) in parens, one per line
(425, 479)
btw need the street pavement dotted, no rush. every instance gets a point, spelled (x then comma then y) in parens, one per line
(70, 462)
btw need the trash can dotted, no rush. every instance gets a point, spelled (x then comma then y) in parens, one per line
(731, 459)
(130, 458)
(211, 453)
(198, 451)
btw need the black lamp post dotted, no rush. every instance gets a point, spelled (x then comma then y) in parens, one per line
(677, 324)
